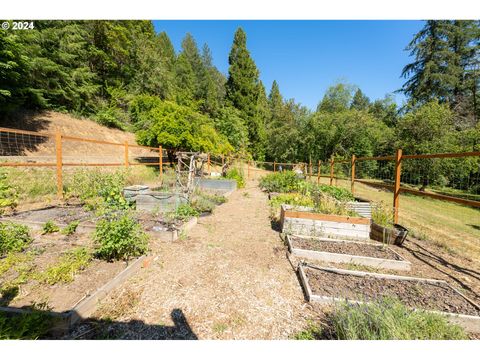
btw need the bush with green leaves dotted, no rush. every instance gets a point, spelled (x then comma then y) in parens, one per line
(13, 237)
(8, 194)
(384, 319)
(70, 228)
(237, 175)
(291, 199)
(50, 227)
(185, 212)
(119, 237)
(284, 182)
(382, 215)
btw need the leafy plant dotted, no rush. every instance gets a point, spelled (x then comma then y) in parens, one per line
(185, 212)
(70, 228)
(13, 237)
(389, 319)
(50, 227)
(237, 175)
(28, 326)
(119, 237)
(286, 181)
(69, 264)
(291, 199)
(8, 194)
(382, 215)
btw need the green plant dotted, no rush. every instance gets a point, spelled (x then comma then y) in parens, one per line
(237, 175)
(327, 204)
(70, 228)
(50, 227)
(119, 237)
(286, 181)
(185, 212)
(291, 199)
(389, 319)
(205, 202)
(312, 332)
(8, 195)
(13, 237)
(27, 326)
(69, 264)
(382, 215)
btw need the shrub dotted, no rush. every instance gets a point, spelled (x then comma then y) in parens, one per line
(50, 227)
(389, 319)
(28, 326)
(8, 195)
(119, 237)
(382, 215)
(13, 237)
(237, 175)
(291, 199)
(285, 182)
(185, 212)
(70, 228)
(206, 202)
(69, 264)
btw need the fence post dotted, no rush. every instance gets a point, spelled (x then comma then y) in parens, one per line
(318, 172)
(332, 162)
(223, 160)
(126, 154)
(248, 170)
(160, 162)
(208, 163)
(310, 168)
(396, 193)
(353, 174)
(58, 148)
(274, 166)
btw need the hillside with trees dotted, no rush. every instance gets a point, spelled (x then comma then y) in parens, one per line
(124, 75)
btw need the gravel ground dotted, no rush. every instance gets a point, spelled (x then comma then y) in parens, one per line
(230, 279)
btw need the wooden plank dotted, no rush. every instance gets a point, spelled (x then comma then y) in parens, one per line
(396, 188)
(376, 158)
(74, 138)
(25, 132)
(326, 217)
(442, 155)
(58, 153)
(93, 164)
(28, 164)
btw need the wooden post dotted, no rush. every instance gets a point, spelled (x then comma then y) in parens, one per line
(396, 193)
(310, 169)
(126, 154)
(332, 162)
(318, 171)
(58, 148)
(274, 166)
(353, 174)
(248, 170)
(160, 162)
(223, 160)
(208, 164)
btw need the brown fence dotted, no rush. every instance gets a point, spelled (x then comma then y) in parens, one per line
(18, 149)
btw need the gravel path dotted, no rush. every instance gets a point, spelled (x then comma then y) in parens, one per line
(230, 279)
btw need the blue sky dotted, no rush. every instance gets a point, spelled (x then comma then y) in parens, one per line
(305, 57)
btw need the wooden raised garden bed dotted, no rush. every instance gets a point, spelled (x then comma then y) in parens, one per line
(329, 286)
(346, 251)
(301, 220)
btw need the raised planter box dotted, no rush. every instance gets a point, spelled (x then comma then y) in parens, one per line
(86, 306)
(351, 253)
(219, 186)
(395, 235)
(301, 220)
(165, 234)
(351, 293)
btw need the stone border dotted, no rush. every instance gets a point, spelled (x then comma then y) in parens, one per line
(381, 263)
(86, 307)
(468, 322)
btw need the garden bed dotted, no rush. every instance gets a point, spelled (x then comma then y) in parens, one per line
(328, 285)
(346, 251)
(41, 275)
(60, 215)
(218, 186)
(301, 220)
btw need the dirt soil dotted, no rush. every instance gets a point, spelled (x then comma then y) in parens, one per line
(229, 279)
(62, 215)
(350, 248)
(414, 294)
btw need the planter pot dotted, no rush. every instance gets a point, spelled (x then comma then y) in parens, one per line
(301, 220)
(395, 235)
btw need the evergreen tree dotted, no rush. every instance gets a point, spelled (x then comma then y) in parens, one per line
(275, 101)
(360, 101)
(242, 87)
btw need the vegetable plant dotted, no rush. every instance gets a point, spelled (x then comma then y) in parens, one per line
(13, 237)
(50, 227)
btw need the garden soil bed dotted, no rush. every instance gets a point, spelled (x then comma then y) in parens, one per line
(46, 251)
(434, 296)
(344, 247)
